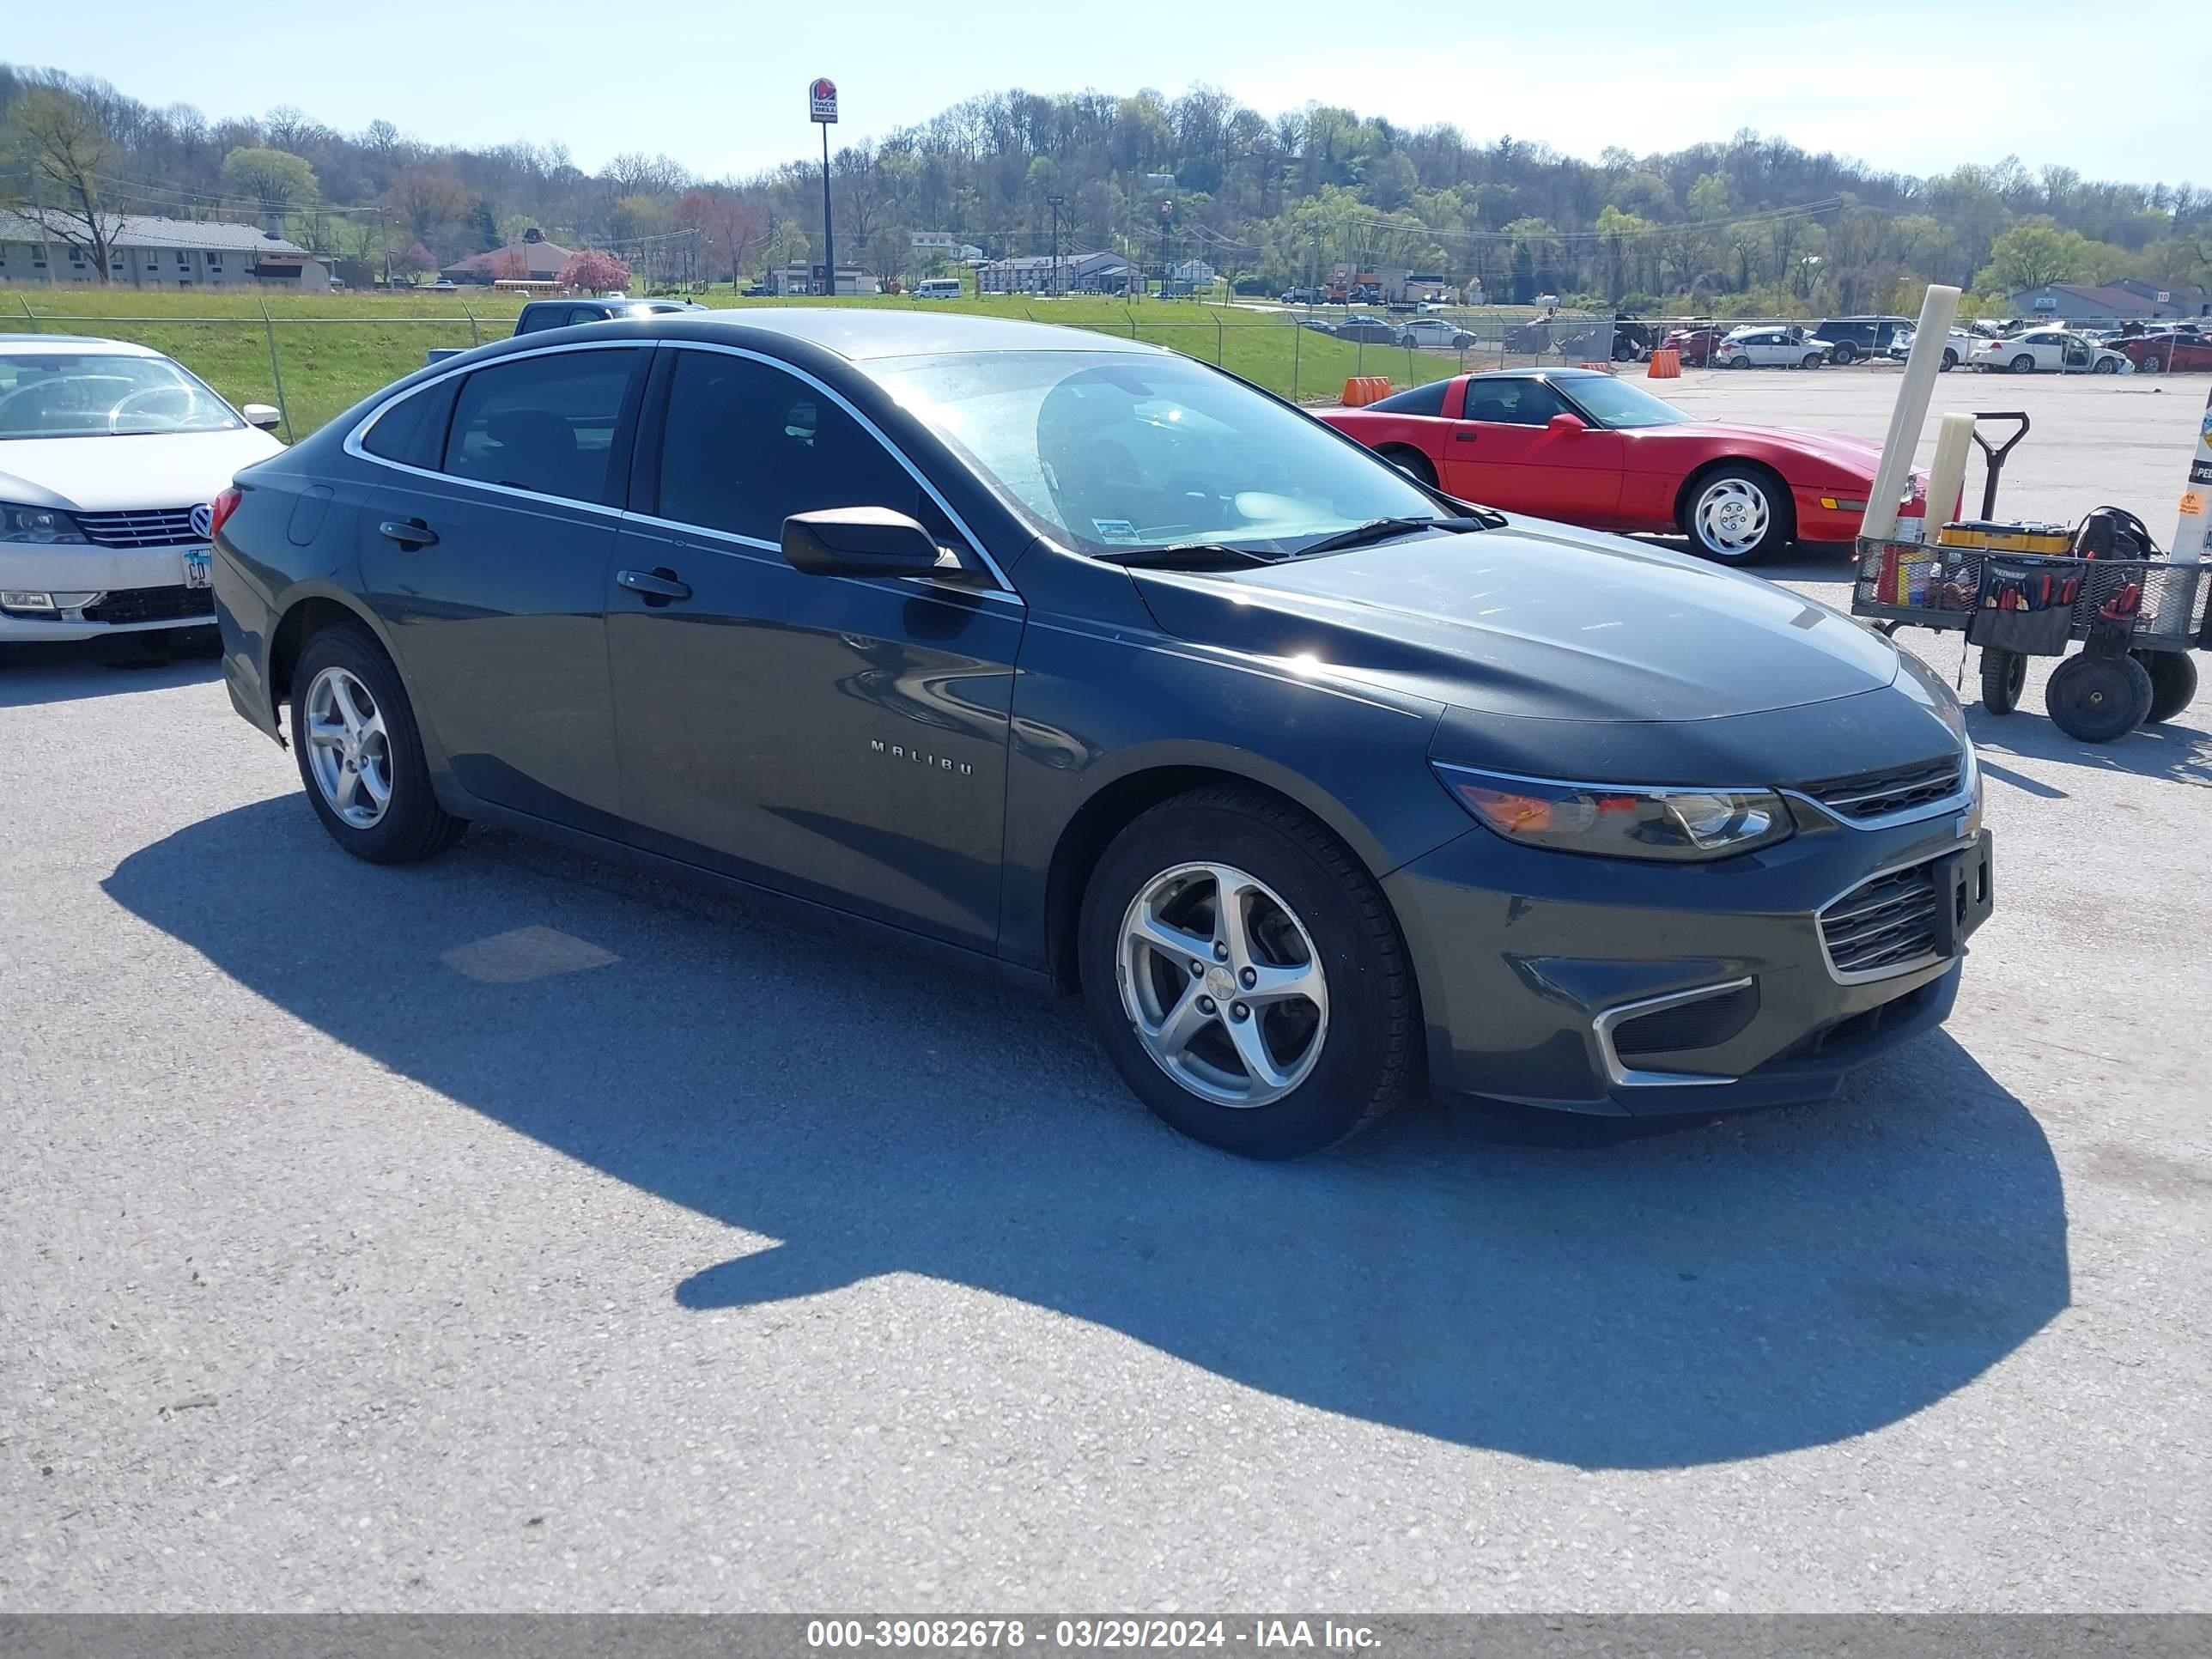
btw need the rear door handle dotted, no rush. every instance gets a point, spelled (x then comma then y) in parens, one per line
(658, 587)
(1465, 437)
(409, 532)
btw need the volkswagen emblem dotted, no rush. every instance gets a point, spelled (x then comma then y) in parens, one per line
(203, 519)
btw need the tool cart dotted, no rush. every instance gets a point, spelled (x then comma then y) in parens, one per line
(2027, 590)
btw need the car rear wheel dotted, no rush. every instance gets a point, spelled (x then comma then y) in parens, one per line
(1245, 976)
(2023, 364)
(1412, 463)
(1742, 360)
(359, 753)
(1737, 515)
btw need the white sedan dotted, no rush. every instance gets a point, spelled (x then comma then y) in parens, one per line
(111, 459)
(1435, 332)
(1769, 348)
(2055, 351)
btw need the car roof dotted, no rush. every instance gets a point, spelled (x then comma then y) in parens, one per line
(1539, 375)
(76, 345)
(858, 333)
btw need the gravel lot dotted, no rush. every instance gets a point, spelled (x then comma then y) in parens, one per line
(508, 1233)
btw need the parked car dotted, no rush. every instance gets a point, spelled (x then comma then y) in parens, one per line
(2050, 349)
(1769, 348)
(111, 455)
(541, 314)
(1304, 296)
(1849, 338)
(1957, 345)
(1435, 332)
(1582, 446)
(1634, 341)
(2157, 354)
(444, 285)
(1366, 330)
(1695, 345)
(1086, 662)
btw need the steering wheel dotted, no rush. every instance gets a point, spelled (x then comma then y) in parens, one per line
(115, 409)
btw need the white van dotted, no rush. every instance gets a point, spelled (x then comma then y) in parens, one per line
(938, 287)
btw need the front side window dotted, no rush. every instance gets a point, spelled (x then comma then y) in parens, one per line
(54, 395)
(1620, 405)
(1116, 449)
(545, 423)
(746, 446)
(1512, 402)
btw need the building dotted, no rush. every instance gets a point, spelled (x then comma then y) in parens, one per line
(1034, 273)
(2130, 299)
(532, 259)
(145, 251)
(811, 279)
(944, 243)
(1196, 272)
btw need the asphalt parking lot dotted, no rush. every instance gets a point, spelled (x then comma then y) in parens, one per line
(510, 1233)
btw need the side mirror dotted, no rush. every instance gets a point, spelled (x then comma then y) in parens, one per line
(1563, 425)
(267, 416)
(861, 541)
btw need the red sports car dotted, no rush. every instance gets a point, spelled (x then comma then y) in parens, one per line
(1585, 448)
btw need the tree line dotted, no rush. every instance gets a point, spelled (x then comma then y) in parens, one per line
(1752, 226)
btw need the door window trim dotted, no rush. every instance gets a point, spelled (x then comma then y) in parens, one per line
(975, 542)
(352, 440)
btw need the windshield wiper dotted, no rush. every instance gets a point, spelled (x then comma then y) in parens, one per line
(1186, 555)
(1381, 529)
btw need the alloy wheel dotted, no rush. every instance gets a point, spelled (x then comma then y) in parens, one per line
(348, 750)
(1221, 981)
(1731, 517)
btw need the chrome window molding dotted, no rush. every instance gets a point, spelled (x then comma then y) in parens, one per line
(353, 446)
(1625, 1075)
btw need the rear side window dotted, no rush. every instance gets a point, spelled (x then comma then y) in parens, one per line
(543, 423)
(746, 446)
(1421, 400)
(413, 431)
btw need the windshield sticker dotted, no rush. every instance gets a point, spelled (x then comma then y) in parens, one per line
(1115, 530)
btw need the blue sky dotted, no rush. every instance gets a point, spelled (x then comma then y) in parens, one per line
(722, 86)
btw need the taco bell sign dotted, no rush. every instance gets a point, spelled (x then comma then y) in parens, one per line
(822, 100)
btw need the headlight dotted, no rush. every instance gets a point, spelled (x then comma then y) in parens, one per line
(1675, 825)
(37, 524)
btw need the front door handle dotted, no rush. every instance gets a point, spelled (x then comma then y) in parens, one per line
(658, 587)
(409, 532)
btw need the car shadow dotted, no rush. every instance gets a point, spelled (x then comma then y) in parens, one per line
(1774, 1282)
(71, 671)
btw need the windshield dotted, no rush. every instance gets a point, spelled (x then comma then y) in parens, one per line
(1112, 450)
(1616, 404)
(50, 395)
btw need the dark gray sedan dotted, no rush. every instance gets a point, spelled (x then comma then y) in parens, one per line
(1086, 661)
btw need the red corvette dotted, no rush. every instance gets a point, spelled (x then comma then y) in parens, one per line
(1583, 447)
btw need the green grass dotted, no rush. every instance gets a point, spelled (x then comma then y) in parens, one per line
(334, 350)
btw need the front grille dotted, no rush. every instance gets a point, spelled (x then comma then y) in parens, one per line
(167, 526)
(1699, 1024)
(1886, 925)
(145, 605)
(1900, 788)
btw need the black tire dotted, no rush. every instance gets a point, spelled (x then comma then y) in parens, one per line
(2172, 683)
(1743, 362)
(1371, 1053)
(2104, 366)
(1843, 351)
(2004, 676)
(1813, 359)
(1412, 461)
(1950, 359)
(2022, 364)
(2097, 699)
(1781, 515)
(2151, 364)
(413, 826)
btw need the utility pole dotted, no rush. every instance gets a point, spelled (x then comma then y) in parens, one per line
(1055, 202)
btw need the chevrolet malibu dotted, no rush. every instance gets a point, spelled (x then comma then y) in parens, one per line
(111, 456)
(1088, 661)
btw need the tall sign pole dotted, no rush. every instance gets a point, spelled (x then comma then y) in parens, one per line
(822, 109)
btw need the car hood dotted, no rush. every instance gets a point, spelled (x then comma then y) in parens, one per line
(111, 474)
(1828, 455)
(1534, 620)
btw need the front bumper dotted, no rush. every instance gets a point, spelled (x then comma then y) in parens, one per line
(134, 589)
(1535, 967)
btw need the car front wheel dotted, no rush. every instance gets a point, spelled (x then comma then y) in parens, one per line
(1246, 976)
(359, 753)
(1737, 515)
